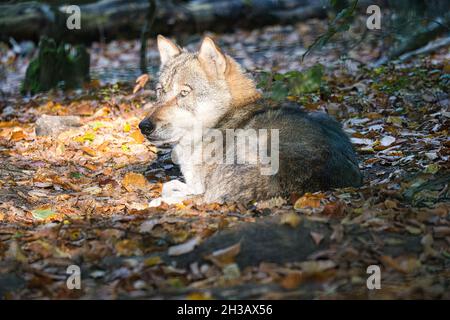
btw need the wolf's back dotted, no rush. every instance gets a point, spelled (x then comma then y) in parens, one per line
(314, 154)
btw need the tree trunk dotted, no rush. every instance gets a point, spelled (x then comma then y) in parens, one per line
(120, 18)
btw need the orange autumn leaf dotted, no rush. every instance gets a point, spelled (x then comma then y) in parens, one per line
(225, 256)
(8, 124)
(89, 151)
(140, 82)
(308, 200)
(103, 147)
(292, 280)
(90, 166)
(17, 135)
(133, 181)
(137, 136)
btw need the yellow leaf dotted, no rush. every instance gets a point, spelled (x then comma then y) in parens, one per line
(198, 296)
(88, 136)
(153, 261)
(292, 219)
(126, 127)
(180, 206)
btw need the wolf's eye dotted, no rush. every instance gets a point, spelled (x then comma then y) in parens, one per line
(184, 93)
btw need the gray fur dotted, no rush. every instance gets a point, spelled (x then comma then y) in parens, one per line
(209, 89)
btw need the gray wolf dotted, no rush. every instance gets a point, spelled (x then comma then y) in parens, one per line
(209, 89)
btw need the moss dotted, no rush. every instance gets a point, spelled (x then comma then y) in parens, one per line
(56, 65)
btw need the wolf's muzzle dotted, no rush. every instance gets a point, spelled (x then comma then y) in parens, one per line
(146, 127)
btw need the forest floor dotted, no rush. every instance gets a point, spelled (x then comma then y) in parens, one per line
(81, 197)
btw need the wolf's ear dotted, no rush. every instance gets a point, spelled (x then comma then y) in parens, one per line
(212, 58)
(167, 49)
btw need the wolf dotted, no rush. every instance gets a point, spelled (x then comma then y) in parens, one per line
(210, 90)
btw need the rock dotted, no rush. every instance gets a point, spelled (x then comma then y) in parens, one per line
(8, 111)
(54, 125)
(268, 240)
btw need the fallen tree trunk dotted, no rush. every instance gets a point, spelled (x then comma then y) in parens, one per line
(119, 18)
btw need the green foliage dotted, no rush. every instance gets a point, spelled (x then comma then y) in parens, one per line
(293, 83)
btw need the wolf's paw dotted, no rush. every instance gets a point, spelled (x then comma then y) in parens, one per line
(175, 188)
(173, 192)
(169, 200)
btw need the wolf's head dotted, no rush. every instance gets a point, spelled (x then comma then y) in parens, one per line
(194, 89)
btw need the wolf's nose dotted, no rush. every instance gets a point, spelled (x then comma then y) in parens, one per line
(146, 127)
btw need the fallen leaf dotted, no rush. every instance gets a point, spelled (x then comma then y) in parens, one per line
(387, 141)
(413, 230)
(225, 256)
(231, 271)
(401, 264)
(292, 219)
(84, 109)
(89, 151)
(317, 237)
(432, 168)
(43, 213)
(292, 280)
(390, 204)
(137, 136)
(153, 261)
(308, 200)
(183, 248)
(334, 208)
(199, 296)
(441, 231)
(140, 82)
(133, 181)
(317, 266)
(127, 247)
(17, 135)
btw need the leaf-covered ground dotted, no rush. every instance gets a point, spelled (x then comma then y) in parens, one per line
(82, 196)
